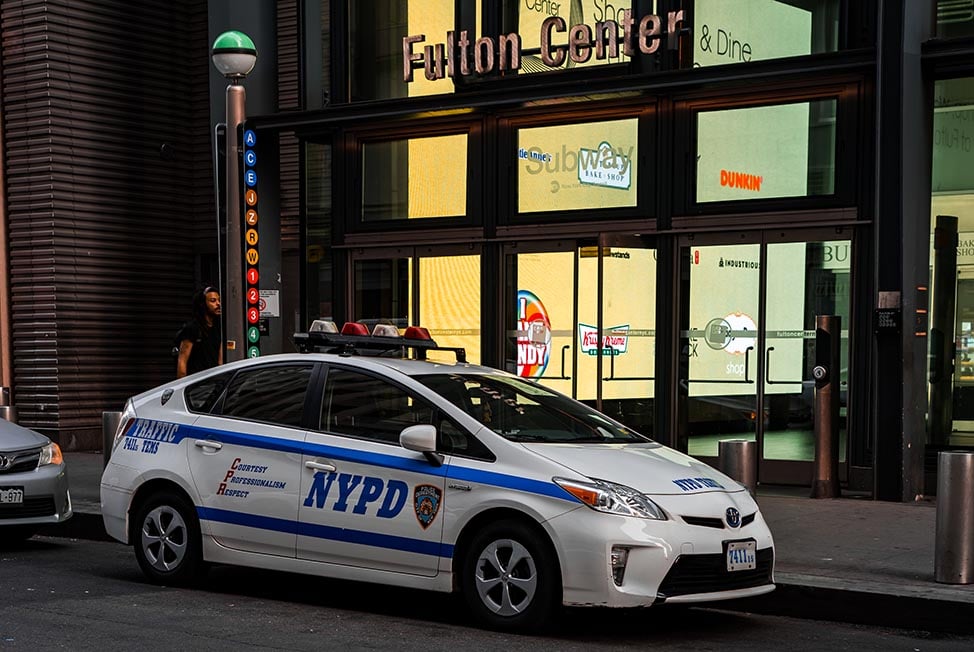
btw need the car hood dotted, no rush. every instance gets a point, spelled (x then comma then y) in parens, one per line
(647, 468)
(15, 438)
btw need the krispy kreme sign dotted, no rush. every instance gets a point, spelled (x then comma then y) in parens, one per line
(458, 56)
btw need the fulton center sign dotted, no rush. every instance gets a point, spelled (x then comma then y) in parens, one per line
(459, 56)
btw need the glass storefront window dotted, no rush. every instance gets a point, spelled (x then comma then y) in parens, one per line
(578, 166)
(955, 18)
(414, 178)
(785, 150)
(951, 333)
(530, 15)
(440, 293)
(376, 29)
(318, 260)
(739, 32)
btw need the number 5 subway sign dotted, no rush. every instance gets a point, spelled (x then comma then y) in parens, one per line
(251, 241)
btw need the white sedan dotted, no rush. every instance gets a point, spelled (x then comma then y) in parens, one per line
(448, 477)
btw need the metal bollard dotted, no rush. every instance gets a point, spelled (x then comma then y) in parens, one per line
(109, 424)
(9, 413)
(954, 553)
(738, 458)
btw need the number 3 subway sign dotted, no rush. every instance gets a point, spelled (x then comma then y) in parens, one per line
(454, 58)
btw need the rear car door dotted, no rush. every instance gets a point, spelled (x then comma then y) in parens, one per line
(245, 458)
(366, 501)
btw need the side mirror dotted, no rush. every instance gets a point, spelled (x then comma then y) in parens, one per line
(422, 439)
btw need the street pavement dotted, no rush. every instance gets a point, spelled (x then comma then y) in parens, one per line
(845, 559)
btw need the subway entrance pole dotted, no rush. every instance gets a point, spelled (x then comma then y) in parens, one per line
(234, 55)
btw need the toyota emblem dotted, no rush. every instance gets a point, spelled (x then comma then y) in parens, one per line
(4, 462)
(733, 517)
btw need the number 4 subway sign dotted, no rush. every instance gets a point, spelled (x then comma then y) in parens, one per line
(251, 239)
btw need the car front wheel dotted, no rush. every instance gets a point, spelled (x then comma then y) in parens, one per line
(167, 540)
(510, 579)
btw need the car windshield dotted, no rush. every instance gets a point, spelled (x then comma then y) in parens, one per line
(523, 411)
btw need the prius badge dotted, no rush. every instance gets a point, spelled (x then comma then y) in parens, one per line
(733, 517)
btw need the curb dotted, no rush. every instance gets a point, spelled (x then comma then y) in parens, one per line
(860, 608)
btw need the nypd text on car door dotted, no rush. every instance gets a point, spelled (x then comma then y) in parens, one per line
(366, 500)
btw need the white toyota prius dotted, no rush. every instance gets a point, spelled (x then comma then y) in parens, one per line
(348, 462)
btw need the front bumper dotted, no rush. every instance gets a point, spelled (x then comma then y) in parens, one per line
(46, 498)
(669, 561)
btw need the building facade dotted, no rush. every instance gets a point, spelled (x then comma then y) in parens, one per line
(645, 205)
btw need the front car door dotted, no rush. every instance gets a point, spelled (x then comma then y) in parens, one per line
(366, 501)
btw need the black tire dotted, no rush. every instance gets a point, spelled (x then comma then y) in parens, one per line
(510, 579)
(166, 536)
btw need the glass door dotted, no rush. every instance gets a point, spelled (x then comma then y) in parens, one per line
(748, 333)
(436, 289)
(584, 320)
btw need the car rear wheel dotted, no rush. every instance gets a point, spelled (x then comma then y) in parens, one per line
(510, 579)
(167, 540)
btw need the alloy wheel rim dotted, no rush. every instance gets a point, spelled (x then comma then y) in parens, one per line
(506, 577)
(164, 538)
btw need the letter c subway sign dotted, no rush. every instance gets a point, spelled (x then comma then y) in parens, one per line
(251, 239)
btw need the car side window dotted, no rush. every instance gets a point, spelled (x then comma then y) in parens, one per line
(202, 396)
(273, 394)
(361, 405)
(454, 440)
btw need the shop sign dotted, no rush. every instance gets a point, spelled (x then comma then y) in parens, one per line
(614, 342)
(460, 57)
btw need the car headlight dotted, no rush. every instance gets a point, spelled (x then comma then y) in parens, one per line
(50, 454)
(612, 498)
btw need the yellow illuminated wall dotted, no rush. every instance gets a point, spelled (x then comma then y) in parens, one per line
(437, 171)
(449, 303)
(434, 18)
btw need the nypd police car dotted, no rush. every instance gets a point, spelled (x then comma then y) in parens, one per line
(360, 459)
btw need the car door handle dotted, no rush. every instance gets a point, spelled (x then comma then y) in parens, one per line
(208, 443)
(321, 466)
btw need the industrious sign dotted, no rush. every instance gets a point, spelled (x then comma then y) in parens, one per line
(459, 56)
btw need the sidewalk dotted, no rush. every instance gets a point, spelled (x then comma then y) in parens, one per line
(848, 559)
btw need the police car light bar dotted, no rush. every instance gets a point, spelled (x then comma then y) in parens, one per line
(354, 338)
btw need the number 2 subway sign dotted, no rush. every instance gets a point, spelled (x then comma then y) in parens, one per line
(459, 56)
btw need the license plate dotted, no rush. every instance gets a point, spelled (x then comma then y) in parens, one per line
(11, 495)
(741, 555)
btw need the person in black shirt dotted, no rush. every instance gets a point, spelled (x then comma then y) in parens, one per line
(201, 339)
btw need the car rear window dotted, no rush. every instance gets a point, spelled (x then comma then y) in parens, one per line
(202, 396)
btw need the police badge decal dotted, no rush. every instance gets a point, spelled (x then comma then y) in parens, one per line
(426, 502)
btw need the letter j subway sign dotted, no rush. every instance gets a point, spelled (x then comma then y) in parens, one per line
(460, 56)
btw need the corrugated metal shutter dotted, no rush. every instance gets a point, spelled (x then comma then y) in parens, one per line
(289, 99)
(106, 184)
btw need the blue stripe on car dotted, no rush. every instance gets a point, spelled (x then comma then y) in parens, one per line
(418, 546)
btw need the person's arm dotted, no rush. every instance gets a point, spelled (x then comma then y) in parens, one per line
(182, 362)
(219, 354)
